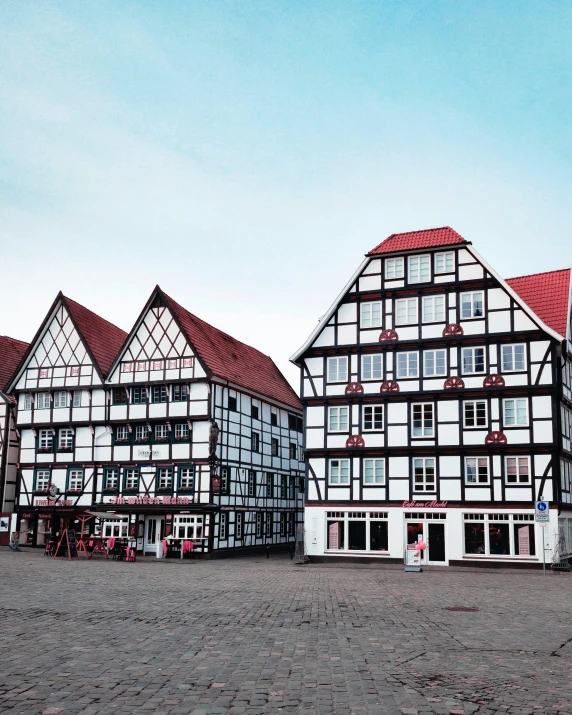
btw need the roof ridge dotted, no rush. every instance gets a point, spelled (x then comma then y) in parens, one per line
(542, 273)
(213, 327)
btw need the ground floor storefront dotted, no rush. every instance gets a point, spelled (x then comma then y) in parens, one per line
(453, 535)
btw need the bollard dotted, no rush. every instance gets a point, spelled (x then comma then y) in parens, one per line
(268, 552)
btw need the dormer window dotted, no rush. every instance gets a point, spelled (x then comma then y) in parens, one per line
(419, 269)
(445, 262)
(394, 268)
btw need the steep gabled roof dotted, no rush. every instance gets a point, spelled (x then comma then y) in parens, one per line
(427, 238)
(11, 352)
(547, 295)
(103, 339)
(231, 360)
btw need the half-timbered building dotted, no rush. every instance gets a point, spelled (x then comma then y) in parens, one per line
(11, 352)
(437, 407)
(175, 430)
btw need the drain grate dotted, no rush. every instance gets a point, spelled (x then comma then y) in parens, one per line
(463, 609)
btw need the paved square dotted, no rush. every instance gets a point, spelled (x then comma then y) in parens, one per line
(247, 635)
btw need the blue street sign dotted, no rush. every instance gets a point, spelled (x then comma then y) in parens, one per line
(541, 513)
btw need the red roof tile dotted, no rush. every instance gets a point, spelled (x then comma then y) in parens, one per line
(428, 238)
(229, 359)
(103, 339)
(547, 295)
(11, 352)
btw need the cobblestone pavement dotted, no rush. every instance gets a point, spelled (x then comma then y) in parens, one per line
(247, 635)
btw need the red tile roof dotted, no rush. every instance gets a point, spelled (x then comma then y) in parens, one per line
(428, 238)
(103, 339)
(547, 295)
(11, 352)
(229, 359)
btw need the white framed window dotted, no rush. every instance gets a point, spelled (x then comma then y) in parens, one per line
(513, 358)
(111, 478)
(121, 434)
(141, 433)
(161, 432)
(28, 401)
(60, 399)
(475, 413)
(119, 528)
(76, 401)
(372, 417)
(238, 525)
(374, 471)
(223, 525)
(371, 315)
(65, 438)
(131, 478)
(371, 367)
(476, 470)
(434, 363)
(182, 431)
(75, 480)
(424, 474)
(423, 418)
(407, 365)
(406, 311)
(517, 470)
(338, 419)
(394, 268)
(43, 478)
(186, 478)
(42, 400)
(338, 369)
(45, 439)
(165, 477)
(188, 527)
(433, 308)
(339, 471)
(515, 412)
(445, 262)
(473, 360)
(419, 269)
(471, 305)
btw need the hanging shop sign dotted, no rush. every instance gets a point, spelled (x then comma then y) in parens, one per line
(144, 501)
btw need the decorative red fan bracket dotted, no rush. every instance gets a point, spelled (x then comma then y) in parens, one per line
(494, 381)
(388, 336)
(452, 330)
(354, 388)
(453, 383)
(355, 440)
(496, 438)
(389, 386)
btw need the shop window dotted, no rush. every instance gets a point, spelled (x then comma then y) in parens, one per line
(117, 528)
(474, 538)
(336, 534)
(188, 527)
(356, 535)
(378, 536)
(499, 539)
(524, 542)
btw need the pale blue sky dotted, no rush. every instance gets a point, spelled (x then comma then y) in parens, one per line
(245, 155)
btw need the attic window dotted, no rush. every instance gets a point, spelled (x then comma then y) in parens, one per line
(126, 367)
(232, 403)
(141, 367)
(44, 372)
(172, 364)
(187, 362)
(157, 365)
(74, 371)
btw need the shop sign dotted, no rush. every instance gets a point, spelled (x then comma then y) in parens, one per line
(144, 501)
(413, 555)
(147, 452)
(424, 504)
(333, 535)
(50, 502)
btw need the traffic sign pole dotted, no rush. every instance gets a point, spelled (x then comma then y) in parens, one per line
(542, 517)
